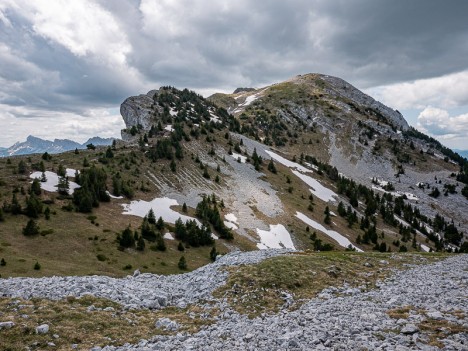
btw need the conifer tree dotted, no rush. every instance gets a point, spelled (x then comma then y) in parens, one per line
(31, 228)
(151, 217)
(182, 263)
(327, 219)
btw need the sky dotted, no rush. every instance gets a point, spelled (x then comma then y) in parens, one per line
(66, 66)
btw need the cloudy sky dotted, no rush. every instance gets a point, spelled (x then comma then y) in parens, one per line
(65, 66)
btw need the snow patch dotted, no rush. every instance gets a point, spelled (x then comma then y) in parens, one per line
(214, 118)
(409, 196)
(70, 172)
(340, 239)
(214, 236)
(425, 248)
(161, 207)
(237, 156)
(113, 197)
(53, 180)
(286, 162)
(317, 189)
(231, 218)
(168, 236)
(248, 100)
(230, 225)
(276, 238)
(169, 128)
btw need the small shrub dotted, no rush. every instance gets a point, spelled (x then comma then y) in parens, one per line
(101, 257)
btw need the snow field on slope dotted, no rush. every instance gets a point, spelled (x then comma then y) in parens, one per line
(161, 207)
(275, 238)
(316, 188)
(340, 239)
(53, 180)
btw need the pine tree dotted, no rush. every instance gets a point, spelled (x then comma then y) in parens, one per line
(47, 213)
(37, 266)
(341, 209)
(33, 206)
(15, 207)
(140, 243)
(213, 254)
(127, 238)
(327, 219)
(3, 262)
(36, 187)
(182, 263)
(271, 167)
(22, 167)
(151, 217)
(184, 208)
(31, 228)
(181, 246)
(160, 224)
(61, 172)
(160, 244)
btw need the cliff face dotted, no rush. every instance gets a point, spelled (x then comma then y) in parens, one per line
(138, 111)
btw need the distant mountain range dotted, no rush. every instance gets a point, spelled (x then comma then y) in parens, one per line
(34, 145)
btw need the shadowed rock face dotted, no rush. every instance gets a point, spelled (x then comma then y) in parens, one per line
(241, 90)
(138, 110)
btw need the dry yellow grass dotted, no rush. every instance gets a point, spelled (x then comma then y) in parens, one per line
(74, 323)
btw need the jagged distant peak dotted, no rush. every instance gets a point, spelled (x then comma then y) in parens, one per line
(34, 145)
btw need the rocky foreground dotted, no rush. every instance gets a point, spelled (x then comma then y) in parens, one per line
(423, 308)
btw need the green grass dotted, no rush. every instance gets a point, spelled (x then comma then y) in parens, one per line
(75, 243)
(256, 289)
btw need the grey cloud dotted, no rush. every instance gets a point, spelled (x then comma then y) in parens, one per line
(224, 44)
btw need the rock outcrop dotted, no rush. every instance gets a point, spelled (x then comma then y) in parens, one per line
(138, 111)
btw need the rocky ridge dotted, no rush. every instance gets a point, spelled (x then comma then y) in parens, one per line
(139, 290)
(422, 308)
(348, 319)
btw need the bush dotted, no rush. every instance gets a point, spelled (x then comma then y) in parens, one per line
(101, 257)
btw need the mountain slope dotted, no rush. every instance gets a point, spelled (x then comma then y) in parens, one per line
(307, 164)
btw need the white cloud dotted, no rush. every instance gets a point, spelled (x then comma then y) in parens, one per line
(453, 130)
(62, 125)
(446, 91)
(83, 27)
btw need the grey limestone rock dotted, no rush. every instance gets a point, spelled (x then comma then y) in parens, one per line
(42, 329)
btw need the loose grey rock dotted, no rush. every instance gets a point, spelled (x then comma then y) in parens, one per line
(6, 325)
(42, 329)
(167, 324)
(410, 329)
